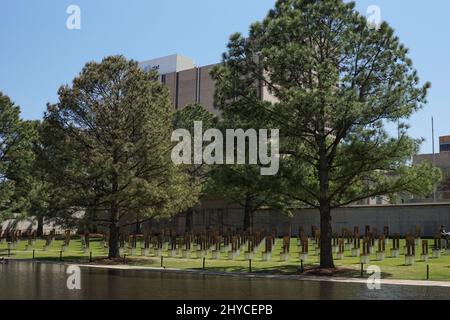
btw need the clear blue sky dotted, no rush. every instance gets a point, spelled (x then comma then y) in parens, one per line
(38, 53)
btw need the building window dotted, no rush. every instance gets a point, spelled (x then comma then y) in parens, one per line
(177, 89)
(445, 147)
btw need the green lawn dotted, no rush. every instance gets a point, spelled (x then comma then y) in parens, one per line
(392, 268)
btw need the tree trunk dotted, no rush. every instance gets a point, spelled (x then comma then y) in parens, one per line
(94, 228)
(138, 225)
(114, 228)
(114, 233)
(189, 219)
(40, 226)
(247, 219)
(247, 214)
(326, 252)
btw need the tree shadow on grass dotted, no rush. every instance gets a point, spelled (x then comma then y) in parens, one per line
(289, 270)
(276, 270)
(86, 260)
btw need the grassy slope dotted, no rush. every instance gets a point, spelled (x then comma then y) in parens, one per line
(391, 267)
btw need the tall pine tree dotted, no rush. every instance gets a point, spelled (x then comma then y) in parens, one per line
(109, 147)
(16, 138)
(336, 82)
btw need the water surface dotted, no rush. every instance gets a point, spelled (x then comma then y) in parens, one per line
(28, 280)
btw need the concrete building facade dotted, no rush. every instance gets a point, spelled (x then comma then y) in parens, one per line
(220, 214)
(444, 144)
(442, 161)
(187, 83)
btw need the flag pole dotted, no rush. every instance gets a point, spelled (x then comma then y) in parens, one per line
(434, 155)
